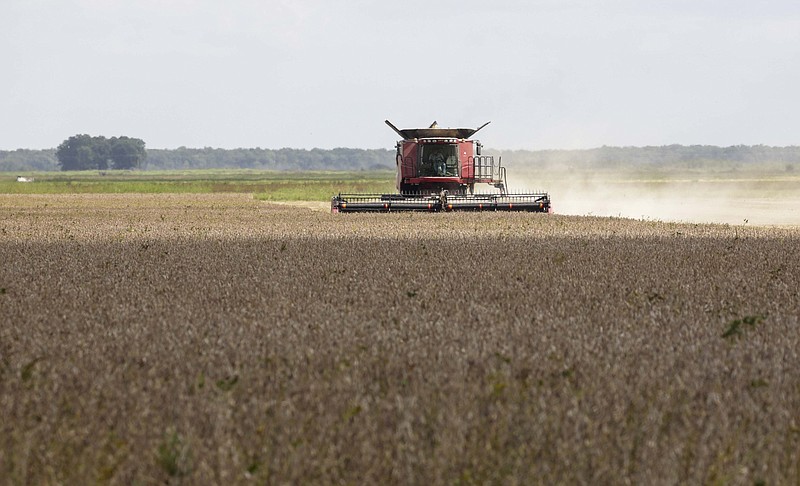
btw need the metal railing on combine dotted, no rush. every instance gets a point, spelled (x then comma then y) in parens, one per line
(487, 171)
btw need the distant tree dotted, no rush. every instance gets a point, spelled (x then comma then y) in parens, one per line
(127, 153)
(84, 152)
(86, 157)
(75, 153)
(101, 152)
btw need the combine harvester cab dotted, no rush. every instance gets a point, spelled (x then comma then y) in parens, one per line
(437, 169)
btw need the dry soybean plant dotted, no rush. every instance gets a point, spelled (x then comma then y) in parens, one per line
(218, 339)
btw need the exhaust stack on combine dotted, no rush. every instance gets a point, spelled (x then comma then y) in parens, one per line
(437, 169)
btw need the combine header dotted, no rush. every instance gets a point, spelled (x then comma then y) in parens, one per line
(437, 169)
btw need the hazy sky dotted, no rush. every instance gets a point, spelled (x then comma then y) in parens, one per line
(307, 73)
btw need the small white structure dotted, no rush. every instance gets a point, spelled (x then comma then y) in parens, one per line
(24, 179)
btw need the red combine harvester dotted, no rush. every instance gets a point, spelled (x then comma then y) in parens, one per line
(437, 169)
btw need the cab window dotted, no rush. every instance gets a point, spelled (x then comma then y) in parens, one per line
(439, 160)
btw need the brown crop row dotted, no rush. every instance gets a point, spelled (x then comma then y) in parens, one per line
(217, 339)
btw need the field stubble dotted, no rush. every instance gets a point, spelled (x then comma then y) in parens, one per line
(215, 338)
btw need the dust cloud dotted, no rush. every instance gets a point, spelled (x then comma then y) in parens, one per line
(714, 199)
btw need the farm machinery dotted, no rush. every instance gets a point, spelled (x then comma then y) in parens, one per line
(437, 170)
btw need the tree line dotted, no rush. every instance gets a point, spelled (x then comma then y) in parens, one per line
(272, 159)
(666, 156)
(85, 152)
